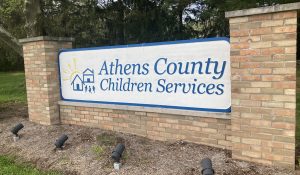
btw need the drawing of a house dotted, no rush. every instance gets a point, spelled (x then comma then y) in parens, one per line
(77, 83)
(88, 76)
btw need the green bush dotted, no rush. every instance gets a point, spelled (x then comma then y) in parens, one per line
(10, 61)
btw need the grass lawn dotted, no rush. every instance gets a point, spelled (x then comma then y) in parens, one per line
(9, 167)
(12, 87)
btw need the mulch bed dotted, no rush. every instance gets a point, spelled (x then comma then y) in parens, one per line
(88, 151)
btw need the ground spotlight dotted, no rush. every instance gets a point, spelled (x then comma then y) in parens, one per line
(117, 153)
(207, 167)
(15, 131)
(60, 142)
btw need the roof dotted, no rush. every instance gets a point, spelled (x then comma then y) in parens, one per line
(86, 70)
(77, 76)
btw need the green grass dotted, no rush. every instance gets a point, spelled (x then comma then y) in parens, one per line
(12, 87)
(8, 166)
(98, 150)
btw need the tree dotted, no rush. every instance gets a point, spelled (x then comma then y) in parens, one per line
(11, 27)
(111, 22)
(32, 12)
(179, 9)
(207, 17)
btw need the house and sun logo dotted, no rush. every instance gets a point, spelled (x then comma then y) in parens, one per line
(80, 82)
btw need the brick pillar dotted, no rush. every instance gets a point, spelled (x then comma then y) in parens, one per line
(41, 72)
(263, 66)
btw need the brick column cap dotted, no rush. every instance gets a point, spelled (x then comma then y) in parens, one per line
(263, 10)
(46, 38)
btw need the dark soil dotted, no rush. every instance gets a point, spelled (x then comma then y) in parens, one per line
(88, 151)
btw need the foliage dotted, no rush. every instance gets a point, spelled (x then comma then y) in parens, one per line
(11, 18)
(108, 139)
(208, 18)
(10, 60)
(98, 150)
(78, 19)
(12, 87)
(111, 22)
(9, 166)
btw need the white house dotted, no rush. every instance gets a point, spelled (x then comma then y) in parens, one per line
(88, 76)
(77, 83)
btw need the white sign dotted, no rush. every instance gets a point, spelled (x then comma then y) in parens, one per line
(188, 75)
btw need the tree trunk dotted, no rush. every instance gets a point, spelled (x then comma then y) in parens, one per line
(32, 12)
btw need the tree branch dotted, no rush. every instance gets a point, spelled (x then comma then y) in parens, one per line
(10, 41)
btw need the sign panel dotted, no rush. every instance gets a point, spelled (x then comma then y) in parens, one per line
(190, 75)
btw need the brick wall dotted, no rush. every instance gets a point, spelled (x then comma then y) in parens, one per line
(263, 66)
(165, 127)
(41, 73)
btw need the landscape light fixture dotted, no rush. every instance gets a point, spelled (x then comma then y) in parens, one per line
(117, 154)
(15, 131)
(61, 141)
(207, 167)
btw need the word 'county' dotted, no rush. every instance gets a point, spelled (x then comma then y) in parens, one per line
(163, 66)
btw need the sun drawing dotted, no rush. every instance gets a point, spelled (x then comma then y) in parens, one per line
(70, 71)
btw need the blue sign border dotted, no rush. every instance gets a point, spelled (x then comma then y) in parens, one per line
(228, 110)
